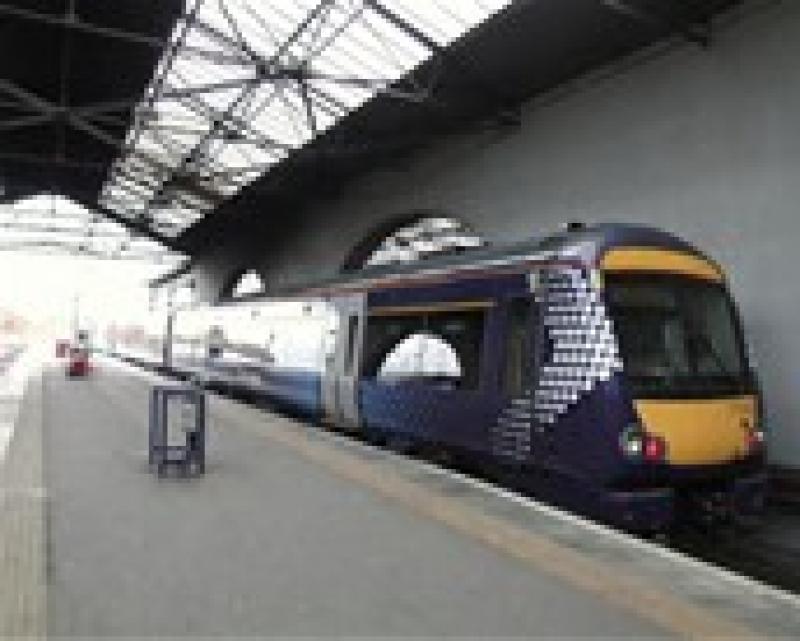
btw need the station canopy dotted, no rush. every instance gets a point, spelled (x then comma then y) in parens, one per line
(156, 113)
(244, 83)
(55, 225)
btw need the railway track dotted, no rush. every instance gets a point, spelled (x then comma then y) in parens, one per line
(750, 552)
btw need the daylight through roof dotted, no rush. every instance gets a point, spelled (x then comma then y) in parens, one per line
(244, 83)
(52, 224)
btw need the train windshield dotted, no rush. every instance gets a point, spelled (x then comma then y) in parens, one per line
(678, 336)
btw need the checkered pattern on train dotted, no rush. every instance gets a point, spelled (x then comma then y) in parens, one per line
(583, 348)
(511, 434)
(583, 352)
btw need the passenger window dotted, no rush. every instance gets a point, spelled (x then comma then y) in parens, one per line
(383, 334)
(519, 356)
(441, 348)
(424, 357)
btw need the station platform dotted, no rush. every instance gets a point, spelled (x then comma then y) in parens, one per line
(294, 531)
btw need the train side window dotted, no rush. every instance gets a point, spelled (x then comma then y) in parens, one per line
(422, 357)
(383, 334)
(519, 356)
(464, 331)
(438, 348)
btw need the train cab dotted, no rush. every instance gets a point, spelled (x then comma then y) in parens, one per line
(698, 425)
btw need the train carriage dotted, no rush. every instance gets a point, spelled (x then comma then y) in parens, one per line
(603, 367)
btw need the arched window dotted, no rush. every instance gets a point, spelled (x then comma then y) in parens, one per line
(412, 237)
(249, 283)
(426, 237)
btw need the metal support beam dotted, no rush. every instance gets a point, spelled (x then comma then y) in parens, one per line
(22, 227)
(299, 74)
(220, 123)
(50, 108)
(26, 121)
(48, 161)
(308, 37)
(289, 69)
(403, 25)
(64, 72)
(168, 59)
(482, 85)
(77, 122)
(309, 105)
(165, 279)
(83, 249)
(75, 23)
(134, 225)
(695, 31)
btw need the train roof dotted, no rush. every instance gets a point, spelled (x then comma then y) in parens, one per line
(584, 245)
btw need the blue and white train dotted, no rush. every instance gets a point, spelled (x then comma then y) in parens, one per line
(603, 368)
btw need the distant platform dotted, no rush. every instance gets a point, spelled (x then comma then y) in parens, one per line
(298, 531)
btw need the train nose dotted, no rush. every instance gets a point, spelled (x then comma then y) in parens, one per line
(704, 431)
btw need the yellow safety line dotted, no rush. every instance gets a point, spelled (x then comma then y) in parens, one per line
(610, 583)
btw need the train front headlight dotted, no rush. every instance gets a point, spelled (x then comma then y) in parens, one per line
(631, 441)
(638, 445)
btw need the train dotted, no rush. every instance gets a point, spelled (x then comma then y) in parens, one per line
(601, 368)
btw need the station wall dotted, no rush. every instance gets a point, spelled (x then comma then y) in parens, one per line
(701, 142)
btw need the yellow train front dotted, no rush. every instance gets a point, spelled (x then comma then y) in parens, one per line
(683, 404)
(603, 369)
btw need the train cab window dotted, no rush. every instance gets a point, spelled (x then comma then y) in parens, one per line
(678, 336)
(519, 356)
(441, 348)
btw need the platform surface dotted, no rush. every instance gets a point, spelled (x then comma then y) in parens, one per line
(297, 532)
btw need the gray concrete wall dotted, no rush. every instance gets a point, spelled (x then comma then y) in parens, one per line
(704, 143)
(213, 271)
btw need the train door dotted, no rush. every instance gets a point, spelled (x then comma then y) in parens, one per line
(342, 366)
(518, 435)
(541, 433)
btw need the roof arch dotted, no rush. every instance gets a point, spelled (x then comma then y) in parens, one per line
(410, 237)
(242, 283)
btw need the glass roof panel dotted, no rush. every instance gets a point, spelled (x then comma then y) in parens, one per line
(53, 224)
(252, 80)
